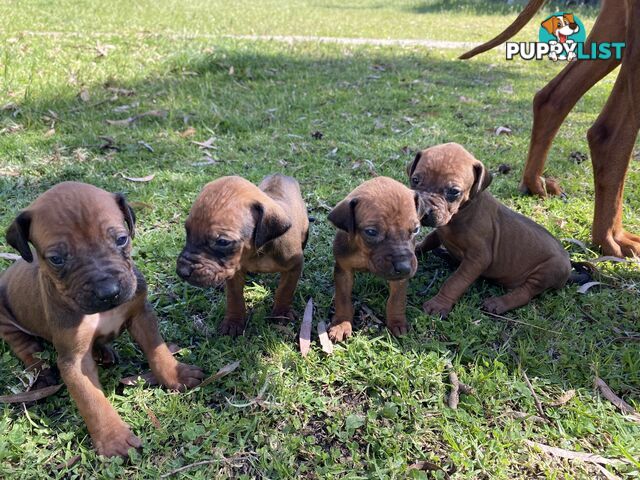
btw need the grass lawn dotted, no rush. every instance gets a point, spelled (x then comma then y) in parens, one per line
(377, 405)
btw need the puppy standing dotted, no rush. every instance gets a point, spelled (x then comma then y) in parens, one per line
(234, 228)
(377, 225)
(79, 292)
(486, 237)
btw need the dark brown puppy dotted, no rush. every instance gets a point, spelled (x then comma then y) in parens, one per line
(79, 291)
(234, 228)
(377, 225)
(486, 237)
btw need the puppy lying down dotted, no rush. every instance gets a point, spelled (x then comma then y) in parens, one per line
(488, 239)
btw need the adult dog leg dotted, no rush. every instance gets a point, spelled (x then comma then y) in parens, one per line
(552, 104)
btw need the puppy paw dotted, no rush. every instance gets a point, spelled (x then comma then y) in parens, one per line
(233, 327)
(435, 306)
(185, 377)
(340, 330)
(398, 328)
(494, 305)
(116, 442)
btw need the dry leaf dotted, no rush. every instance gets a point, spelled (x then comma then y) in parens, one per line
(69, 463)
(50, 133)
(305, 329)
(585, 288)
(623, 406)
(571, 455)
(325, 341)
(30, 396)
(10, 256)
(189, 132)
(121, 91)
(224, 371)
(503, 130)
(152, 416)
(207, 144)
(148, 178)
(135, 118)
(84, 95)
(564, 398)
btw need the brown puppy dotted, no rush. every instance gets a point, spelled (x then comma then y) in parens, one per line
(234, 228)
(485, 236)
(377, 225)
(79, 291)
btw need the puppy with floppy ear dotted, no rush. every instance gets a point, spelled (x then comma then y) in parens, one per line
(377, 223)
(78, 289)
(487, 238)
(234, 228)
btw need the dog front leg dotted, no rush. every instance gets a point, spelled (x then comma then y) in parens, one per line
(430, 242)
(235, 316)
(285, 292)
(467, 273)
(143, 328)
(396, 308)
(341, 328)
(109, 433)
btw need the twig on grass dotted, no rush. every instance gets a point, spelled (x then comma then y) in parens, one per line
(581, 456)
(188, 467)
(502, 317)
(623, 406)
(457, 387)
(536, 400)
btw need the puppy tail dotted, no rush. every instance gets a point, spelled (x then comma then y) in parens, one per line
(525, 15)
(581, 273)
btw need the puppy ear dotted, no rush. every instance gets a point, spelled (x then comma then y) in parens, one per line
(569, 18)
(18, 235)
(271, 222)
(127, 211)
(343, 216)
(549, 25)
(412, 166)
(482, 179)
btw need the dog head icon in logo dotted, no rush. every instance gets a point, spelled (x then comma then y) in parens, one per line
(562, 28)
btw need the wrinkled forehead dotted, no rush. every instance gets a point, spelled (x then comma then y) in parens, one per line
(393, 210)
(446, 166)
(219, 212)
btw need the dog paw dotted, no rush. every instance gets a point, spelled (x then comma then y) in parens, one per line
(186, 376)
(494, 305)
(541, 186)
(620, 244)
(340, 330)
(233, 327)
(437, 307)
(283, 315)
(116, 442)
(398, 328)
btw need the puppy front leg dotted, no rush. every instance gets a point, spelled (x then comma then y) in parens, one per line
(430, 242)
(340, 328)
(459, 281)
(110, 435)
(236, 313)
(143, 328)
(396, 307)
(285, 292)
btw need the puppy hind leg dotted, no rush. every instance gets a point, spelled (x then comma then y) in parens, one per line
(539, 281)
(285, 293)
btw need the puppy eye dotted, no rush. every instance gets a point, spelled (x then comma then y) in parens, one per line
(222, 242)
(56, 260)
(122, 240)
(371, 232)
(415, 180)
(453, 193)
(416, 230)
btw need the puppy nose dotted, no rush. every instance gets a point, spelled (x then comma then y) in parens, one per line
(184, 269)
(107, 290)
(402, 267)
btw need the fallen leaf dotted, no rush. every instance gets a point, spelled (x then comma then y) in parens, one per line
(571, 455)
(145, 145)
(148, 178)
(575, 242)
(125, 108)
(84, 95)
(10, 256)
(623, 406)
(103, 50)
(30, 396)
(207, 144)
(224, 371)
(325, 342)
(121, 91)
(135, 118)
(152, 416)
(305, 329)
(564, 398)
(585, 288)
(503, 130)
(427, 466)
(50, 133)
(69, 463)
(610, 258)
(189, 132)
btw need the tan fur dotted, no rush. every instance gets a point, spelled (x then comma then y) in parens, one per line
(391, 209)
(59, 305)
(268, 227)
(486, 237)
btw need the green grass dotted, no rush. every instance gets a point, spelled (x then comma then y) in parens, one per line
(377, 405)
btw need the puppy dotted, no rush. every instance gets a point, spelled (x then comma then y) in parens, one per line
(78, 289)
(486, 237)
(234, 228)
(377, 225)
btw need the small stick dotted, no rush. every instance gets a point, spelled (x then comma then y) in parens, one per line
(454, 395)
(535, 397)
(616, 400)
(502, 317)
